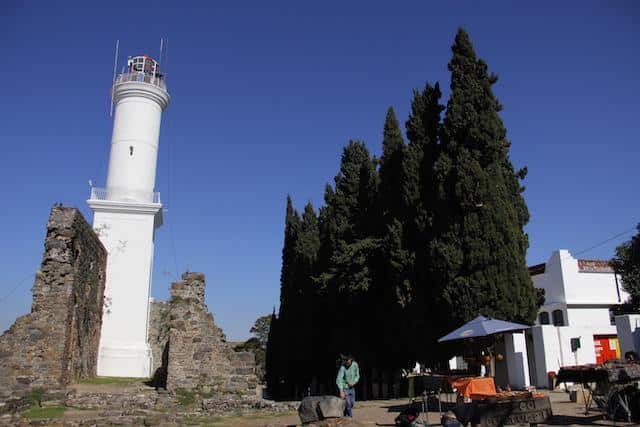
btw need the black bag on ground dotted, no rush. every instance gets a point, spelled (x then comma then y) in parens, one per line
(409, 416)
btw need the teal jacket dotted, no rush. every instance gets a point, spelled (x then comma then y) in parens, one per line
(348, 376)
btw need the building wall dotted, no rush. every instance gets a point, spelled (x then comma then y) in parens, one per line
(129, 237)
(516, 360)
(551, 347)
(551, 280)
(628, 328)
(564, 283)
(586, 316)
(584, 297)
(57, 342)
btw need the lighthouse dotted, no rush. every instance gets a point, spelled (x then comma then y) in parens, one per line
(126, 214)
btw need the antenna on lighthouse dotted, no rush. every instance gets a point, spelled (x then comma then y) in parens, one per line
(161, 51)
(164, 55)
(115, 67)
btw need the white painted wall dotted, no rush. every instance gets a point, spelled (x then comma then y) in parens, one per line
(126, 220)
(134, 142)
(552, 348)
(128, 237)
(516, 358)
(565, 284)
(586, 316)
(551, 279)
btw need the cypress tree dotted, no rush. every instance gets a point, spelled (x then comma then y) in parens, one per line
(346, 224)
(391, 291)
(478, 255)
(273, 353)
(307, 249)
(288, 325)
(391, 170)
(423, 127)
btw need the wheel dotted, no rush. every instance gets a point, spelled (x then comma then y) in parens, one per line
(618, 404)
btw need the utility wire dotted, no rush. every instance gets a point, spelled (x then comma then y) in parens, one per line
(169, 170)
(15, 288)
(604, 242)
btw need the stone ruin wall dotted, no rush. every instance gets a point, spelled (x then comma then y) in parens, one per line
(158, 339)
(198, 356)
(57, 342)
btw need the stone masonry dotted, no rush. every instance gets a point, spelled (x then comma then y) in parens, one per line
(199, 358)
(58, 341)
(159, 340)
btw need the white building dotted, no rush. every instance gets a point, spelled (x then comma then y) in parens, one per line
(126, 214)
(578, 296)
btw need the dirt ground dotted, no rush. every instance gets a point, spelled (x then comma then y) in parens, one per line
(369, 413)
(383, 413)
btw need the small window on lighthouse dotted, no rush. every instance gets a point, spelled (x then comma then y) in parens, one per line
(131, 150)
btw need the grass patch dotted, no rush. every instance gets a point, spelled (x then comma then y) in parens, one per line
(186, 397)
(112, 381)
(35, 396)
(259, 416)
(47, 412)
(204, 420)
(234, 420)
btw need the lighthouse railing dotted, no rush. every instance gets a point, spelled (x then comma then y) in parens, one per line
(124, 195)
(142, 78)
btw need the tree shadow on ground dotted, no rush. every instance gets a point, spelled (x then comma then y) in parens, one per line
(565, 420)
(432, 404)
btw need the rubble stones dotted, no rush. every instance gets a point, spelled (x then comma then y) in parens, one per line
(158, 341)
(221, 405)
(58, 341)
(141, 406)
(198, 355)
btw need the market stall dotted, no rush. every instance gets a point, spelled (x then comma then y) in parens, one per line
(612, 385)
(505, 408)
(479, 401)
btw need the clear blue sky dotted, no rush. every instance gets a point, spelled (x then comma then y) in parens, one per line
(265, 95)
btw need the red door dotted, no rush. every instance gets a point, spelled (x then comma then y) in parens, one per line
(606, 348)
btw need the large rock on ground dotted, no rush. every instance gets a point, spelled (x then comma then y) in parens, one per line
(317, 408)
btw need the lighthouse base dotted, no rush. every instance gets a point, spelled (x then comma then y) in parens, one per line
(124, 361)
(126, 229)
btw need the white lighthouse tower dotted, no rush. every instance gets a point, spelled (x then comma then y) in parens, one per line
(126, 214)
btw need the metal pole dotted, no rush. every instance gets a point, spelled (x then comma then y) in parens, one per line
(115, 67)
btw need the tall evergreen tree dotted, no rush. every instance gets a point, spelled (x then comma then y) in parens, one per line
(626, 263)
(307, 249)
(288, 322)
(272, 363)
(423, 127)
(391, 170)
(346, 223)
(392, 289)
(478, 256)
(409, 246)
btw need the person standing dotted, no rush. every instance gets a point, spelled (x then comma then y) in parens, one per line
(348, 377)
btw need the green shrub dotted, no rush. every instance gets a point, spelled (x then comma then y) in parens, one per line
(35, 396)
(185, 397)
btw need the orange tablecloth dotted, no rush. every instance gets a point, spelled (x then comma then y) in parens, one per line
(474, 387)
